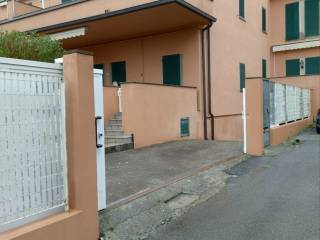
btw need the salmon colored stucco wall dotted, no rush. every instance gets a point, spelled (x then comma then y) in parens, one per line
(3, 13)
(143, 56)
(280, 134)
(235, 41)
(278, 68)
(84, 9)
(153, 112)
(81, 221)
(111, 102)
(254, 108)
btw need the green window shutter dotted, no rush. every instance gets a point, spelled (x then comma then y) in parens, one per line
(313, 65)
(264, 20)
(293, 67)
(292, 21)
(171, 65)
(184, 127)
(242, 76)
(241, 8)
(264, 68)
(312, 18)
(118, 72)
(66, 1)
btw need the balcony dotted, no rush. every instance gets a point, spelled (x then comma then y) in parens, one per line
(30, 15)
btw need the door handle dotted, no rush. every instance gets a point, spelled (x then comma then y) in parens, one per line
(98, 135)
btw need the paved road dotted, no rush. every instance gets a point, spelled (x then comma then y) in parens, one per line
(274, 198)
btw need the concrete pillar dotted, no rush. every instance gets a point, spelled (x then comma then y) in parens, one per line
(254, 93)
(82, 170)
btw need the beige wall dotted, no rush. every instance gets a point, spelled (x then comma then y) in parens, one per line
(153, 112)
(81, 221)
(280, 134)
(111, 102)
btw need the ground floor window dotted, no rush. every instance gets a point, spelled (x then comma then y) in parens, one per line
(303, 66)
(118, 72)
(171, 65)
(293, 67)
(313, 65)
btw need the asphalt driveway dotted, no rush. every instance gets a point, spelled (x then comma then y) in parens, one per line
(133, 171)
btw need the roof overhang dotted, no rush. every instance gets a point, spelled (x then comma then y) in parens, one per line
(142, 20)
(296, 46)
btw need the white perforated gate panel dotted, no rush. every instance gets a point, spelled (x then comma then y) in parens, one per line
(32, 142)
(289, 104)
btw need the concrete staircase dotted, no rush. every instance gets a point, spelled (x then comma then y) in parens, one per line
(115, 139)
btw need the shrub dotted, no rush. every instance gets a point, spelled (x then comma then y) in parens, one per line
(29, 46)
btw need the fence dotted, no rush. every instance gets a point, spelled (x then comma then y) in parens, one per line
(288, 104)
(33, 180)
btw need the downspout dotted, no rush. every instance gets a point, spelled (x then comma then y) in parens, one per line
(204, 90)
(210, 83)
(205, 127)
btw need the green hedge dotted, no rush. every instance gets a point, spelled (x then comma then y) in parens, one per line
(29, 46)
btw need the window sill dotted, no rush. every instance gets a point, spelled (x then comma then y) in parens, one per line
(242, 19)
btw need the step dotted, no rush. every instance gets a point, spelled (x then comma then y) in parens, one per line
(113, 127)
(115, 121)
(114, 133)
(118, 139)
(111, 148)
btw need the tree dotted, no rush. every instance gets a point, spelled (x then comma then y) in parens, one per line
(29, 46)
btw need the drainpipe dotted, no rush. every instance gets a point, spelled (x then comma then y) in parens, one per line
(210, 83)
(205, 91)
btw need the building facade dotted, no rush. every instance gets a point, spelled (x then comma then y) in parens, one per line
(205, 49)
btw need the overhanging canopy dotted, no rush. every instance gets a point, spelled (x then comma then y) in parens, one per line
(143, 20)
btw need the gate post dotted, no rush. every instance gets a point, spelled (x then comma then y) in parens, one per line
(80, 116)
(254, 105)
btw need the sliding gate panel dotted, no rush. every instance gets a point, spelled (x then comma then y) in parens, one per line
(266, 112)
(33, 179)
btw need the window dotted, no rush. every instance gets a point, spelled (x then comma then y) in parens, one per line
(312, 18)
(118, 72)
(313, 65)
(293, 67)
(242, 76)
(264, 68)
(264, 20)
(292, 21)
(241, 8)
(184, 127)
(171, 65)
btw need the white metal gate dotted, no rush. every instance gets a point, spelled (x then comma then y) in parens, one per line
(33, 178)
(100, 146)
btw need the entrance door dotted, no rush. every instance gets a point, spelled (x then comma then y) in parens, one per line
(266, 112)
(100, 148)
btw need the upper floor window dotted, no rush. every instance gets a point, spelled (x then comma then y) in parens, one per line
(264, 20)
(302, 19)
(242, 9)
(312, 17)
(292, 21)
